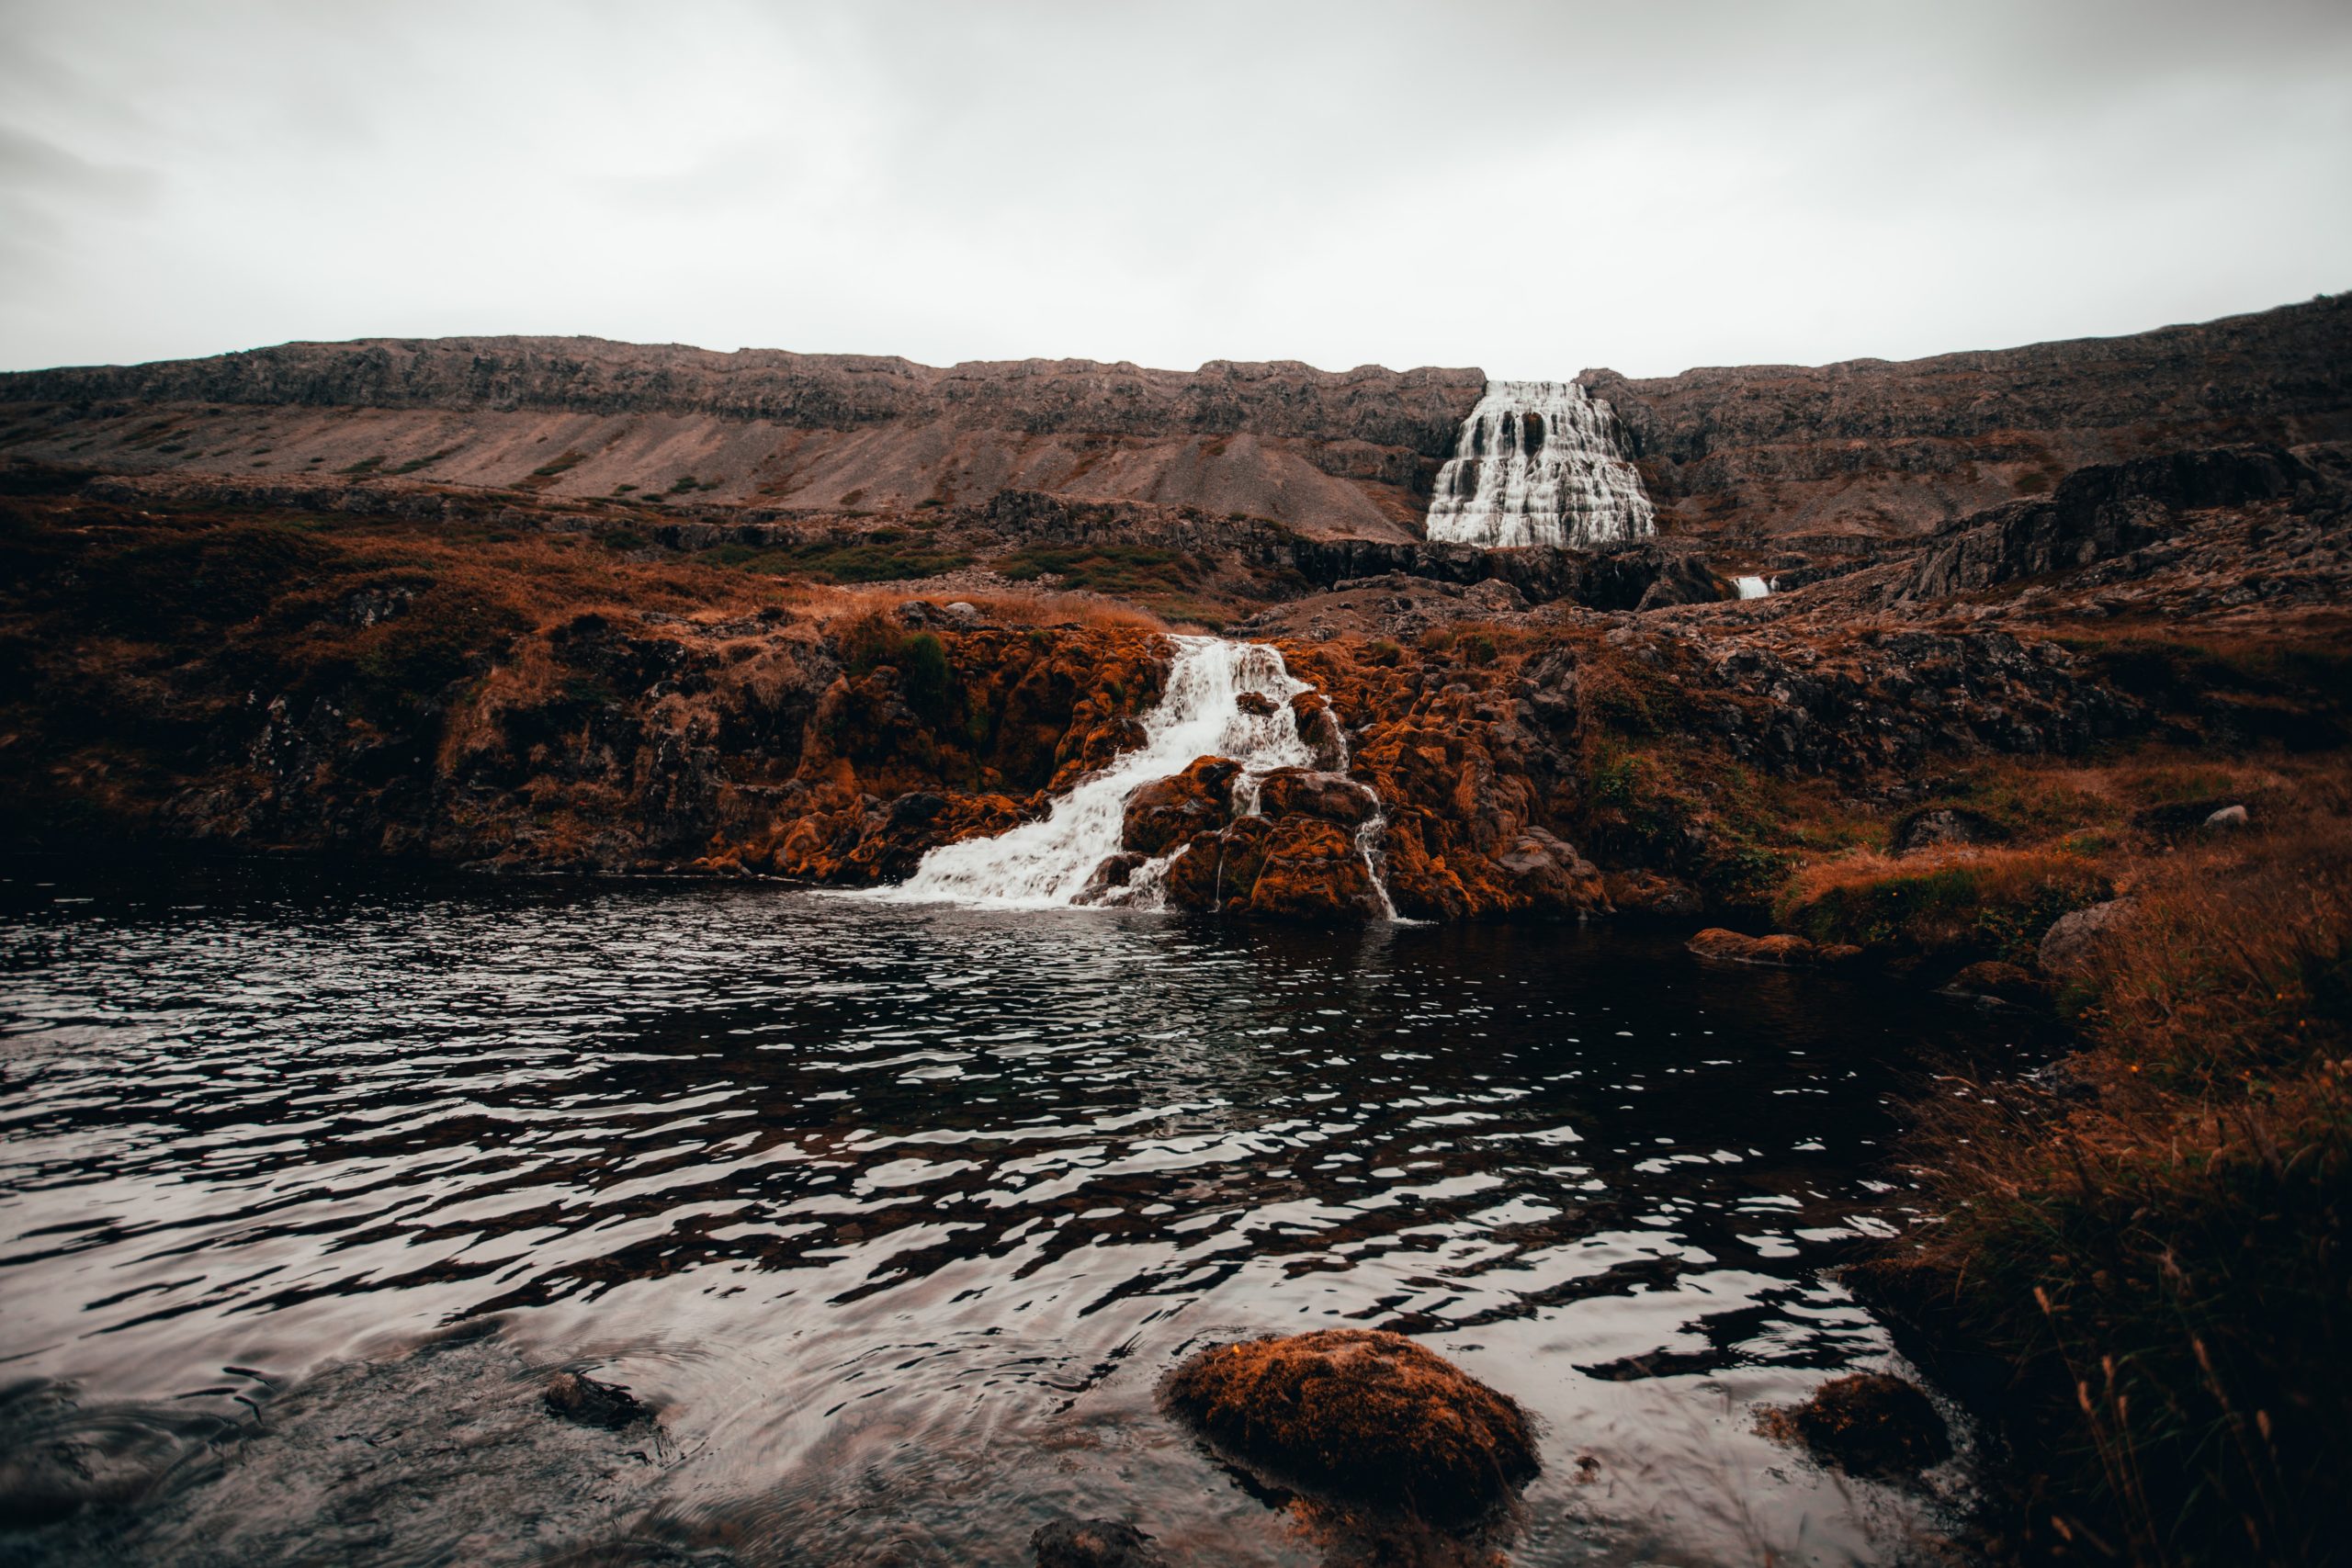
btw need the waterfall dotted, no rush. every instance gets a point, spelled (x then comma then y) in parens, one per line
(1751, 587)
(1539, 463)
(1047, 863)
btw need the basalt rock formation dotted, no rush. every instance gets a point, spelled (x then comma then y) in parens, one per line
(1812, 463)
(1870, 448)
(1349, 453)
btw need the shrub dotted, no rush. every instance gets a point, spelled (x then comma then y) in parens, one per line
(926, 679)
(1960, 905)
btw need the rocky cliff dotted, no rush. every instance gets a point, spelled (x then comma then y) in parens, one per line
(1782, 466)
(1331, 453)
(1874, 448)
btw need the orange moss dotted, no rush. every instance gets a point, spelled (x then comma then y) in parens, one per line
(1958, 904)
(1359, 1415)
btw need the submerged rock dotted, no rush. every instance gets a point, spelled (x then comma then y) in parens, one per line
(1094, 1543)
(1359, 1415)
(1993, 981)
(1779, 950)
(1871, 1423)
(578, 1397)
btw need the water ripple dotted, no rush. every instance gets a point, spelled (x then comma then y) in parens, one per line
(898, 1211)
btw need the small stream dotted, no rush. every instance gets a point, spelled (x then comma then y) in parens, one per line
(898, 1211)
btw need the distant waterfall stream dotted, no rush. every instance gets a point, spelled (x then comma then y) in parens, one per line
(1048, 862)
(1539, 463)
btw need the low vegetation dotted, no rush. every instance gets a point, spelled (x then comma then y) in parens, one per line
(883, 555)
(2158, 1239)
(1950, 907)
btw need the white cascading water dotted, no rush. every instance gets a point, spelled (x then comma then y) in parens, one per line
(1047, 864)
(1539, 463)
(1751, 587)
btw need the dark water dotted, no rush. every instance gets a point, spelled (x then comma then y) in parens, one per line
(897, 1213)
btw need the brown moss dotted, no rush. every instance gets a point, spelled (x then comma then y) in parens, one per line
(1868, 1424)
(1360, 1417)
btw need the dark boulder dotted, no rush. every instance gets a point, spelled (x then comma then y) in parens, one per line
(1871, 1423)
(1166, 812)
(577, 1397)
(1094, 1543)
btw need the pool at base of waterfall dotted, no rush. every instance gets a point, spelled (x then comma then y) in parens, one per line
(895, 1215)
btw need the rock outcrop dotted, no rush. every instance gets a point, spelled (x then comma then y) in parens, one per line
(2100, 513)
(1876, 448)
(1350, 452)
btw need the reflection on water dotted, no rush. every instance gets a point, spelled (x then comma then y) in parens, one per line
(899, 1212)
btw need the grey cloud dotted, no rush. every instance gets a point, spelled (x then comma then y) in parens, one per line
(1533, 188)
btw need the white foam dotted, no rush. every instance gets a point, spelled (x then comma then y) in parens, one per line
(1047, 864)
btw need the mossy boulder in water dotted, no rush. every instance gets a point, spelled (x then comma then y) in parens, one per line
(1871, 1424)
(1359, 1415)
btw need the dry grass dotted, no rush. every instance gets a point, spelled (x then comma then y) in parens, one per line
(1951, 906)
(2161, 1248)
(827, 604)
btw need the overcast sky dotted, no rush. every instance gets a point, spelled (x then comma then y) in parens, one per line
(1532, 188)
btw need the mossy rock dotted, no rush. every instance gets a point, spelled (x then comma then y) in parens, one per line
(1360, 1417)
(1871, 1423)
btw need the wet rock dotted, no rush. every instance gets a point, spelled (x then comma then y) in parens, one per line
(2224, 819)
(1331, 798)
(1779, 950)
(2005, 983)
(1871, 1423)
(1650, 894)
(1943, 826)
(1113, 873)
(1359, 1415)
(1166, 812)
(1256, 704)
(1319, 728)
(2068, 945)
(576, 1396)
(1550, 873)
(1094, 1543)
(1288, 868)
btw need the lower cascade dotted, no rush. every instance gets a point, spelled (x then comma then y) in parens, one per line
(1206, 711)
(1751, 587)
(1539, 463)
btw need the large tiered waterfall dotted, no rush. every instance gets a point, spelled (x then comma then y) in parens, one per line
(1048, 862)
(1539, 463)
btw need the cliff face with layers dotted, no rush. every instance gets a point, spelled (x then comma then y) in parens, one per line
(1873, 449)
(1346, 453)
(1822, 461)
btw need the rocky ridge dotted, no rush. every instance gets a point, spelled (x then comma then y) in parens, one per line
(1871, 448)
(1344, 452)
